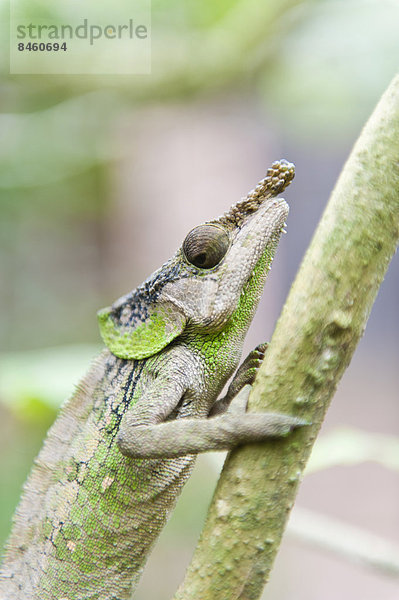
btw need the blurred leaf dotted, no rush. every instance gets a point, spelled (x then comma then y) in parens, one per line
(331, 69)
(49, 145)
(33, 382)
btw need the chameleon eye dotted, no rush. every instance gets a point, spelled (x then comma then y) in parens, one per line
(205, 246)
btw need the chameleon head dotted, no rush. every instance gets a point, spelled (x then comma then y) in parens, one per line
(226, 251)
(200, 287)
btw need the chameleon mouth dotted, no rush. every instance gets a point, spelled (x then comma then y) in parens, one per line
(270, 222)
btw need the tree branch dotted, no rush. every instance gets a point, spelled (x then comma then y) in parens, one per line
(316, 335)
(346, 541)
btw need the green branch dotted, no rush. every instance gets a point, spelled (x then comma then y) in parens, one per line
(315, 338)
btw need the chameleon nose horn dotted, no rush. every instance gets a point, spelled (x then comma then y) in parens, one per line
(278, 177)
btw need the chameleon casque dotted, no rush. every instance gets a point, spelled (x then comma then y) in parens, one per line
(124, 444)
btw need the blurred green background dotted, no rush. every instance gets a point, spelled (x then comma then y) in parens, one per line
(102, 177)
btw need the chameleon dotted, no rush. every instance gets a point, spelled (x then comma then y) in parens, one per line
(122, 447)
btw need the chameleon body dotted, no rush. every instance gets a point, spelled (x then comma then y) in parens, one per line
(122, 447)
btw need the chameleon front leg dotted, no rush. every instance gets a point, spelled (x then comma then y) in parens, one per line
(145, 433)
(245, 374)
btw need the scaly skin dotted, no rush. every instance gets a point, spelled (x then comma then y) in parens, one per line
(88, 514)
